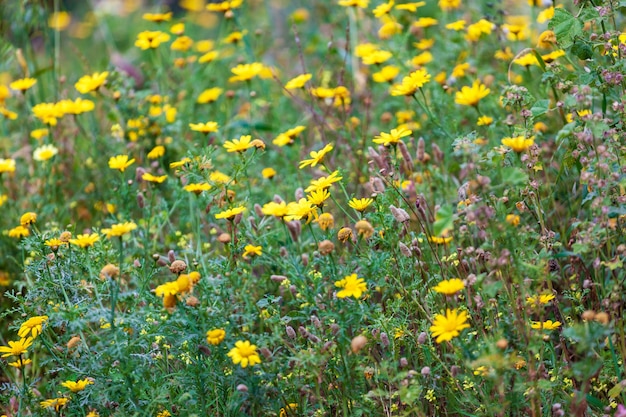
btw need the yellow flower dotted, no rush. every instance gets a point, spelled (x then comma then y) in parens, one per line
(209, 95)
(456, 26)
(11, 115)
(424, 44)
(344, 234)
(18, 232)
(208, 57)
(54, 243)
(440, 239)
(16, 348)
(39, 133)
(360, 204)
(59, 20)
(383, 9)
(77, 386)
(251, 250)
(151, 39)
(85, 240)
(290, 409)
(48, 113)
(536, 300)
(317, 197)
(386, 74)
(352, 286)
(230, 213)
(546, 325)
(20, 363)
(450, 286)
(518, 143)
(205, 128)
(553, 56)
(316, 157)
(268, 172)
(422, 59)
(23, 84)
(56, 403)
(28, 218)
(89, 83)
(300, 210)
(377, 57)
(178, 164)
(484, 121)
(392, 137)
(526, 60)
(354, 3)
(224, 6)
(119, 229)
(411, 7)
(45, 152)
(447, 5)
(546, 39)
(446, 327)
(244, 72)
(157, 17)
(32, 326)
(324, 182)
(545, 15)
(512, 219)
(470, 96)
(182, 43)
(7, 165)
(272, 208)
(239, 145)
(235, 37)
(476, 30)
(120, 162)
(297, 82)
(156, 152)
(244, 354)
(153, 178)
(411, 83)
(177, 29)
(215, 336)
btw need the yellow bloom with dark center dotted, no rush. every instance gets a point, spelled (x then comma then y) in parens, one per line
(239, 145)
(324, 182)
(197, 188)
(476, 30)
(354, 3)
(383, 9)
(119, 229)
(7, 165)
(28, 218)
(77, 386)
(16, 348)
(56, 403)
(386, 74)
(89, 83)
(244, 354)
(23, 84)
(19, 232)
(157, 17)
(209, 95)
(11, 115)
(120, 162)
(552, 56)
(447, 327)
(20, 363)
(245, 72)
(230, 213)
(526, 60)
(205, 128)
(251, 250)
(151, 39)
(518, 143)
(470, 96)
(318, 197)
(411, 83)
(153, 178)
(156, 152)
(45, 152)
(377, 57)
(440, 240)
(536, 300)
(208, 57)
(85, 240)
(32, 326)
(360, 204)
(215, 336)
(275, 209)
(316, 156)
(224, 6)
(298, 82)
(182, 43)
(545, 325)
(449, 287)
(351, 286)
(301, 209)
(392, 137)
(235, 37)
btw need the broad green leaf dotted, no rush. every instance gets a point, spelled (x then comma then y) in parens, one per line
(566, 27)
(540, 108)
(514, 176)
(444, 220)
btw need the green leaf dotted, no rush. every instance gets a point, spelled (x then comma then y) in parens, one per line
(540, 108)
(514, 176)
(616, 391)
(566, 27)
(444, 220)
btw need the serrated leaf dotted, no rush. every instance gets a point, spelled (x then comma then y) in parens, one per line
(566, 27)
(444, 221)
(514, 176)
(540, 108)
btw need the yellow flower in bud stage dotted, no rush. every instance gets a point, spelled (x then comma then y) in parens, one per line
(120, 162)
(244, 354)
(470, 96)
(19, 232)
(215, 336)
(519, 143)
(351, 286)
(119, 229)
(411, 83)
(298, 82)
(224, 6)
(209, 95)
(56, 403)
(447, 327)
(275, 209)
(89, 83)
(316, 157)
(546, 325)
(151, 39)
(245, 72)
(85, 240)
(324, 182)
(77, 386)
(449, 287)
(344, 234)
(157, 17)
(205, 128)
(45, 152)
(386, 74)
(360, 204)
(364, 228)
(23, 84)
(230, 214)
(28, 218)
(392, 137)
(32, 326)
(251, 250)
(153, 178)
(16, 348)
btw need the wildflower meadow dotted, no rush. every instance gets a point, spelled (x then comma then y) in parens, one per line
(312, 208)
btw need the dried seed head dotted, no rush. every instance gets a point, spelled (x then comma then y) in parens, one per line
(589, 315)
(192, 301)
(384, 339)
(224, 238)
(602, 318)
(178, 267)
(109, 271)
(344, 234)
(65, 236)
(502, 344)
(364, 228)
(358, 343)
